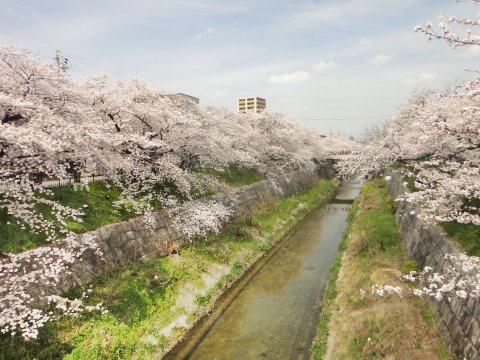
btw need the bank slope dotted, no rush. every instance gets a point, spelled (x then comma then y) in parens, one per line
(152, 304)
(357, 326)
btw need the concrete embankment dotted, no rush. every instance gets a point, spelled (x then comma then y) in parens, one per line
(151, 304)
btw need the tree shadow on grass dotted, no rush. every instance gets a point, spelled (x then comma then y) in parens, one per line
(48, 346)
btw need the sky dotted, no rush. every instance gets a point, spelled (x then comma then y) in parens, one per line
(338, 66)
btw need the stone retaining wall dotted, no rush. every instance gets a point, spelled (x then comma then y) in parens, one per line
(458, 320)
(131, 241)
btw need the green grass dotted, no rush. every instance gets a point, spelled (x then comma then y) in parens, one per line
(466, 235)
(141, 298)
(428, 316)
(377, 224)
(100, 210)
(234, 174)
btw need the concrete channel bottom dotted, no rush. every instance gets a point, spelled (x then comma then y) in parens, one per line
(274, 315)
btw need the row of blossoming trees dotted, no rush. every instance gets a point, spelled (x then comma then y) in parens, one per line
(138, 138)
(128, 131)
(436, 140)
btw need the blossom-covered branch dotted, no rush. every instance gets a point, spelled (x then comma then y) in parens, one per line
(444, 30)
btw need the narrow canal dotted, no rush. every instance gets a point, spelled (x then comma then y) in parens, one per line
(275, 315)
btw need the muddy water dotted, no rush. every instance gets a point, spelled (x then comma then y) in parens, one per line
(275, 315)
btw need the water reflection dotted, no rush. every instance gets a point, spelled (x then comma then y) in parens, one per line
(349, 190)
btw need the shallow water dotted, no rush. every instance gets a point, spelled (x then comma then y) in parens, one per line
(275, 315)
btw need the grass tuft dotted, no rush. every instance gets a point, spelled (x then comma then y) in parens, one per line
(466, 235)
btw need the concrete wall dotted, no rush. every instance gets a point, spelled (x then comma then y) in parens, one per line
(131, 241)
(458, 320)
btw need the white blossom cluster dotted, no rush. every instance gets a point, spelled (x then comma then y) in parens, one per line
(74, 307)
(27, 277)
(149, 220)
(459, 279)
(445, 32)
(200, 218)
(382, 290)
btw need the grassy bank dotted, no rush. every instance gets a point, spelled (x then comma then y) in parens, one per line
(466, 235)
(144, 300)
(235, 175)
(353, 326)
(100, 211)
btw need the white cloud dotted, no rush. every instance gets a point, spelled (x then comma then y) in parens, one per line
(366, 42)
(218, 94)
(324, 65)
(289, 78)
(208, 31)
(472, 51)
(381, 59)
(427, 76)
(422, 78)
(410, 81)
(342, 12)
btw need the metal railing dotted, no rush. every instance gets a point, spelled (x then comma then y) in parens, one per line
(70, 181)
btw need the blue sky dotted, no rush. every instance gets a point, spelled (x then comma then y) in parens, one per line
(335, 65)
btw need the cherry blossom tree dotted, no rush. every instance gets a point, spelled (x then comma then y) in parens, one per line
(437, 137)
(135, 135)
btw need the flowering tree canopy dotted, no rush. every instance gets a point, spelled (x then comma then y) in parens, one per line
(437, 138)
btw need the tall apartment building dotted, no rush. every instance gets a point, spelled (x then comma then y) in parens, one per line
(253, 104)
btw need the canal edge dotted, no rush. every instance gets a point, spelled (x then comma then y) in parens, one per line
(187, 344)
